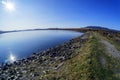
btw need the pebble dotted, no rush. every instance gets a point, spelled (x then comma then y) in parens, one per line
(20, 69)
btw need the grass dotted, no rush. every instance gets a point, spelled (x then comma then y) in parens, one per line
(89, 62)
(85, 66)
(110, 39)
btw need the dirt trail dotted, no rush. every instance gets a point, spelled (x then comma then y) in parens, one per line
(111, 49)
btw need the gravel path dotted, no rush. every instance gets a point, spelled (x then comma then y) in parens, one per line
(111, 49)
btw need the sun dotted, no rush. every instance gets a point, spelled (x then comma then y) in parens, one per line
(9, 5)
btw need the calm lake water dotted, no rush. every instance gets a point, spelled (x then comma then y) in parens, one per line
(18, 45)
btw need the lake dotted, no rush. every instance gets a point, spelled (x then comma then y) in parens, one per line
(18, 45)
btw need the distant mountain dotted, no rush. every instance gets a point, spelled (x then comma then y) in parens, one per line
(97, 27)
(101, 28)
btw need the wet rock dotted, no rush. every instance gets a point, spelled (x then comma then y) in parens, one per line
(38, 63)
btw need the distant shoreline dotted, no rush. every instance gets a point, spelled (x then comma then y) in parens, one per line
(85, 29)
(32, 30)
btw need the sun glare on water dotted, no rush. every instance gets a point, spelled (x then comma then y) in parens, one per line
(12, 58)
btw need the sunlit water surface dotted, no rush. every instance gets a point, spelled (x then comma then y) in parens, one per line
(18, 45)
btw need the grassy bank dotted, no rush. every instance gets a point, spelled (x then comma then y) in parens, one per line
(82, 58)
(92, 63)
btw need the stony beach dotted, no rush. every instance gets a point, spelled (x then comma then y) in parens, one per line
(39, 64)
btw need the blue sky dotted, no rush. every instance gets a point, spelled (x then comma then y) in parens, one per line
(60, 13)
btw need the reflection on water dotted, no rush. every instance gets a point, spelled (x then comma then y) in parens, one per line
(19, 45)
(11, 57)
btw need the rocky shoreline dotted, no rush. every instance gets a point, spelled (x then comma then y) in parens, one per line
(39, 64)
